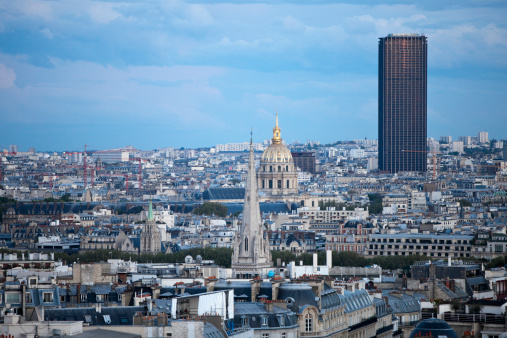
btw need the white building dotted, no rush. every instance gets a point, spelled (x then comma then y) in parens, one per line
(357, 153)
(482, 137)
(457, 146)
(446, 139)
(111, 156)
(239, 147)
(467, 140)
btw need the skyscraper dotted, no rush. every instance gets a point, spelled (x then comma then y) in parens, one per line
(402, 116)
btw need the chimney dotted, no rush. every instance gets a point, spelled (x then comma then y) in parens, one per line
(78, 292)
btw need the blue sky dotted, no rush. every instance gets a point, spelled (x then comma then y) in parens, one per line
(172, 73)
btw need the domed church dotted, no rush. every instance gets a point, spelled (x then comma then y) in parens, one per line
(277, 175)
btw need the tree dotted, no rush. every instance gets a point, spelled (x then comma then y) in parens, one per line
(211, 208)
(465, 203)
(375, 206)
(455, 305)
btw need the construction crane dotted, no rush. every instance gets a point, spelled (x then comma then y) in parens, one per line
(140, 173)
(434, 159)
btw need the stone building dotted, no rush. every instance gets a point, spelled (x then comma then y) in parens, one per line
(150, 235)
(277, 174)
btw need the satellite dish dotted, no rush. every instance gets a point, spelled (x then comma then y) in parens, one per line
(189, 259)
(198, 259)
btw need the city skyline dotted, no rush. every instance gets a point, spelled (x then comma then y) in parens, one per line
(178, 74)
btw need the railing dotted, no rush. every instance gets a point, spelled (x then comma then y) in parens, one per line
(474, 318)
(409, 324)
(238, 330)
(366, 322)
(385, 329)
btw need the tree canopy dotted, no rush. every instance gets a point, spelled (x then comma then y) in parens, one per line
(211, 208)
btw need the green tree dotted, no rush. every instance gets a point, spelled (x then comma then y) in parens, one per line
(465, 203)
(375, 206)
(211, 208)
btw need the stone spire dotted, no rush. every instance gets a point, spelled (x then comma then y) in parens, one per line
(251, 211)
(251, 250)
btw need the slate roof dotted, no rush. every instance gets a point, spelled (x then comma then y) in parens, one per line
(239, 287)
(105, 333)
(256, 311)
(119, 315)
(458, 292)
(354, 301)
(403, 303)
(300, 294)
(211, 331)
(264, 207)
(224, 194)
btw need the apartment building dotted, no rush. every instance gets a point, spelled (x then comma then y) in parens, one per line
(411, 244)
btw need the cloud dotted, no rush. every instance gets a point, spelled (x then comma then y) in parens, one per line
(7, 77)
(47, 33)
(102, 13)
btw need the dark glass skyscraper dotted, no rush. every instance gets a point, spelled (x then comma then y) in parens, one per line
(402, 116)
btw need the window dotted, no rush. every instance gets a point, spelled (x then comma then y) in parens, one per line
(264, 320)
(245, 321)
(28, 297)
(284, 335)
(265, 335)
(246, 243)
(308, 323)
(47, 297)
(83, 298)
(13, 298)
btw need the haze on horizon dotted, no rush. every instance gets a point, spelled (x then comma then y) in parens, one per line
(199, 73)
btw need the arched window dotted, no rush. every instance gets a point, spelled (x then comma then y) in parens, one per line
(286, 168)
(308, 323)
(270, 168)
(279, 168)
(246, 244)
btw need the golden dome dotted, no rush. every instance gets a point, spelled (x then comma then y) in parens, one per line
(277, 152)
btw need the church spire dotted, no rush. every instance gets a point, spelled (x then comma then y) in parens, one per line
(150, 212)
(277, 138)
(251, 210)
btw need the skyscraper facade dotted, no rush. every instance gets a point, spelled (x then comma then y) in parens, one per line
(402, 109)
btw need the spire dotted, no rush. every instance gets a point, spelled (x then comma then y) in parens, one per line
(251, 210)
(277, 138)
(150, 212)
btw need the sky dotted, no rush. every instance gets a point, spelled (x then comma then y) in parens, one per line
(156, 74)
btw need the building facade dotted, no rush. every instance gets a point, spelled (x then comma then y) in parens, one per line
(402, 114)
(305, 161)
(277, 174)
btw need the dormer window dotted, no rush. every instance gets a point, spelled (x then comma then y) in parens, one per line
(245, 321)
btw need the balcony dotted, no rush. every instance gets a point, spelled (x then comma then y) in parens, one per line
(474, 318)
(385, 329)
(409, 324)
